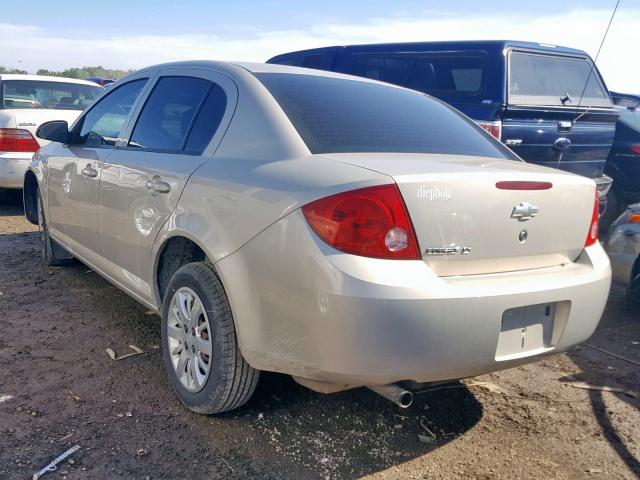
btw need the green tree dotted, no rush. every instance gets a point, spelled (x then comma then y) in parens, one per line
(84, 72)
(12, 70)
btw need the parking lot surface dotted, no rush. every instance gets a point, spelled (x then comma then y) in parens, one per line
(59, 388)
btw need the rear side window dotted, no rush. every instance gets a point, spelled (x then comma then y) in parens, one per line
(536, 79)
(335, 115)
(439, 74)
(47, 94)
(167, 115)
(319, 61)
(105, 122)
(207, 121)
(289, 59)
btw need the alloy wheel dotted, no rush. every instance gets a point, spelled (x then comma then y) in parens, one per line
(189, 339)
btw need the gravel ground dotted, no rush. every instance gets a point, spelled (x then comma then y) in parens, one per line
(58, 388)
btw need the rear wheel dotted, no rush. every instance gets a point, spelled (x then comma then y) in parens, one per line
(200, 347)
(52, 253)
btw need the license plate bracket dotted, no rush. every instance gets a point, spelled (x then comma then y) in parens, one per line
(526, 331)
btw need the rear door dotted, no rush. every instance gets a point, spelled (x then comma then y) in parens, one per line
(559, 113)
(176, 130)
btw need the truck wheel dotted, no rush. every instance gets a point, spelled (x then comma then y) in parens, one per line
(199, 344)
(52, 253)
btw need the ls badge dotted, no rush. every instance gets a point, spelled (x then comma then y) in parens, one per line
(450, 250)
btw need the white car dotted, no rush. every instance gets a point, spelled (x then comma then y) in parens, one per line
(27, 101)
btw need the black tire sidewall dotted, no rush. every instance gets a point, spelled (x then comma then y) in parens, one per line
(45, 245)
(190, 276)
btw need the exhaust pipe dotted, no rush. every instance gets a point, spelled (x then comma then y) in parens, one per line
(392, 392)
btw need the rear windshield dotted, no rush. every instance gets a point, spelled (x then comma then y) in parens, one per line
(450, 75)
(336, 115)
(45, 94)
(536, 79)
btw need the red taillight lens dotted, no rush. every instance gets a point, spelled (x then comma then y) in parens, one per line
(494, 128)
(17, 140)
(592, 236)
(635, 149)
(371, 222)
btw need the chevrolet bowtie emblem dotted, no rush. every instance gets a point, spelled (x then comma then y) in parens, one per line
(524, 211)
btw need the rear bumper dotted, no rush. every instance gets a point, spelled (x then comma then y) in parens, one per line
(13, 166)
(305, 309)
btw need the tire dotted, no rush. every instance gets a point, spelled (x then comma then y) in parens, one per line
(52, 253)
(213, 377)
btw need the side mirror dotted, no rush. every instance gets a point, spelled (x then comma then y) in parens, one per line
(54, 131)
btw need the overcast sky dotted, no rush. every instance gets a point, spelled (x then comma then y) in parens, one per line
(130, 34)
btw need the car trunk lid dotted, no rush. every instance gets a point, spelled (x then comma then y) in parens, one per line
(466, 225)
(31, 119)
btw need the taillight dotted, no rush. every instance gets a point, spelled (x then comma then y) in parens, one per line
(17, 140)
(371, 222)
(635, 149)
(494, 128)
(592, 236)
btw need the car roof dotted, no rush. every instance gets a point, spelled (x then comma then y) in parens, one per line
(47, 78)
(453, 45)
(256, 68)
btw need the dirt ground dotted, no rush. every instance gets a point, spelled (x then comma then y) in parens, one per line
(59, 388)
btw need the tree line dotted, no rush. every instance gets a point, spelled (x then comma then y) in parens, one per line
(76, 72)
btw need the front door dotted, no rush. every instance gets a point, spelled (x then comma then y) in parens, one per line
(75, 169)
(142, 181)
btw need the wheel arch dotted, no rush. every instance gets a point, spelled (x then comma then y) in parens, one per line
(174, 252)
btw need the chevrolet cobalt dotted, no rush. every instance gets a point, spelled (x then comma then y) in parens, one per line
(341, 230)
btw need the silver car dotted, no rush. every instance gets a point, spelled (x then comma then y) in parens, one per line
(337, 229)
(623, 247)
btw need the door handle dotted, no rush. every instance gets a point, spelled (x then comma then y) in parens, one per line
(157, 185)
(89, 172)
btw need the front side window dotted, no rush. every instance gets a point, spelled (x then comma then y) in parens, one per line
(105, 122)
(336, 115)
(47, 94)
(536, 79)
(166, 118)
